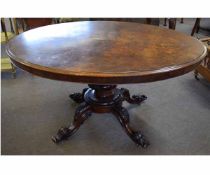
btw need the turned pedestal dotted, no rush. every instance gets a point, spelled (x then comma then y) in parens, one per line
(103, 99)
(104, 54)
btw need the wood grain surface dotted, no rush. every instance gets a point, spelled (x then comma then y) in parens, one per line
(105, 52)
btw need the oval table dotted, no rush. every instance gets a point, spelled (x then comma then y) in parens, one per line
(103, 54)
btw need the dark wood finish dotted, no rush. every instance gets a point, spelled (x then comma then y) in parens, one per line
(135, 99)
(165, 22)
(152, 21)
(78, 97)
(196, 26)
(103, 99)
(172, 23)
(148, 21)
(32, 23)
(105, 52)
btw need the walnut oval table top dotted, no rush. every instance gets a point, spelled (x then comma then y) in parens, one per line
(105, 52)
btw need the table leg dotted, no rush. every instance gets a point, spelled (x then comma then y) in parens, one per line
(172, 23)
(196, 26)
(135, 99)
(82, 113)
(122, 115)
(165, 22)
(103, 99)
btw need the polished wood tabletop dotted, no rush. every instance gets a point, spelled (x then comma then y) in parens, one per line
(105, 52)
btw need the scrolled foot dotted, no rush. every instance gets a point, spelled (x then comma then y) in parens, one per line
(63, 133)
(135, 99)
(82, 113)
(122, 115)
(78, 97)
(140, 140)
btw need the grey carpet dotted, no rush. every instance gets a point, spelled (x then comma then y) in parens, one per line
(175, 118)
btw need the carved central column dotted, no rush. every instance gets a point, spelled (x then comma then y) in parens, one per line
(103, 99)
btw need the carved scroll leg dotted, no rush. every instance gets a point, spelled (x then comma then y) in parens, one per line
(78, 97)
(82, 113)
(135, 99)
(122, 115)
